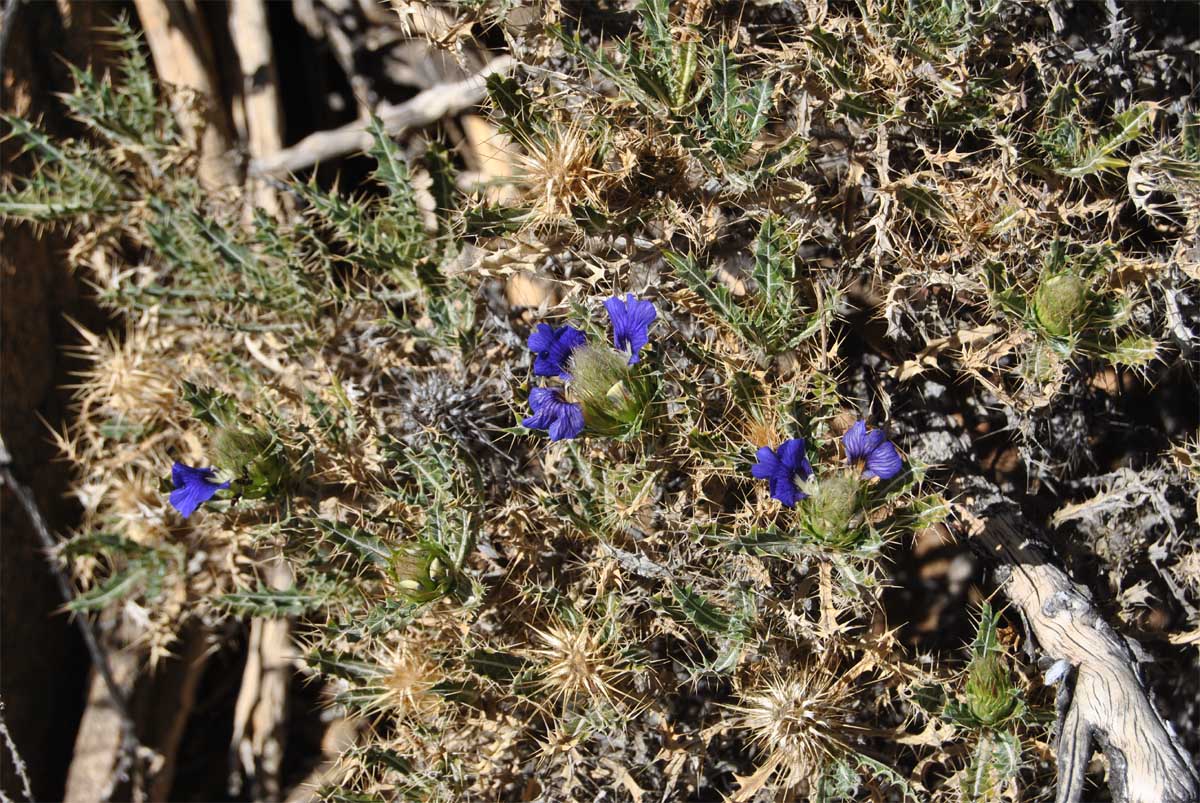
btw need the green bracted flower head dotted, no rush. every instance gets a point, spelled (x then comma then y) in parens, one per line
(991, 695)
(1061, 304)
(832, 515)
(423, 572)
(612, 392)
(254, 457)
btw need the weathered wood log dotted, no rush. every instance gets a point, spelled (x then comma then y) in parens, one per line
(1105, 699)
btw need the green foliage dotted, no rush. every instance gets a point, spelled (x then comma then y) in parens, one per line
(1072, 312)
(774, 317)
(934, 28)
(992, 698)
(995, 763)
(736, 114)
(273, 603)
(1076, 151)
(672, 75)
(730, 632)
(834, 513)
(519, 118)
(615, 396)
(136, 570)
(385, 237)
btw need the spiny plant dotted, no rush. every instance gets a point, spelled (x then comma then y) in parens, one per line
(803, 724)
(992, 707)
(772, 317)
(825, 208)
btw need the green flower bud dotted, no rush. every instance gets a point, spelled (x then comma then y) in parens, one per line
(253, 457)
(422, 571)
(832, 513)
(612, 394)
(991, 694)
(234, 449)
(1061, 303)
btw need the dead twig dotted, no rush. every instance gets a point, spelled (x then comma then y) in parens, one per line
(17, 762)
(427, 107)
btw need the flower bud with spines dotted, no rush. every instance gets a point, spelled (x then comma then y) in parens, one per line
(255, 458)
(423, 572)
(991, 695)
(832, 515)
(614, 395)
(1061, 304)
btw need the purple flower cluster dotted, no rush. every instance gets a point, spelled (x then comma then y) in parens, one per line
(781, 467)
(553, 346)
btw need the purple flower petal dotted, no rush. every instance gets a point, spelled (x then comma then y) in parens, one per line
(553, 413)
(569, 423)
(855, 441)
(780, 468)
(552, 347)
(541, 338)
(872, 448)
(784, 490)
(883, 462)
(792, 455)
(631, 321)
(767, 465)
(193, 487)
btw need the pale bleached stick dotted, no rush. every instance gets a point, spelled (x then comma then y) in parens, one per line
(429, 106)
(260, 714)
(260, 94)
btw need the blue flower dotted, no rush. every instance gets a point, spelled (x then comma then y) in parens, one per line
(554, 413)
(630, 320)
(193, 487)
(553, 346)
(780, 468)
(877, 454)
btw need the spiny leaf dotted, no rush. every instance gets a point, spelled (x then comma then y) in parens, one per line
(360, 542)
(700, 611)
(769, 271)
